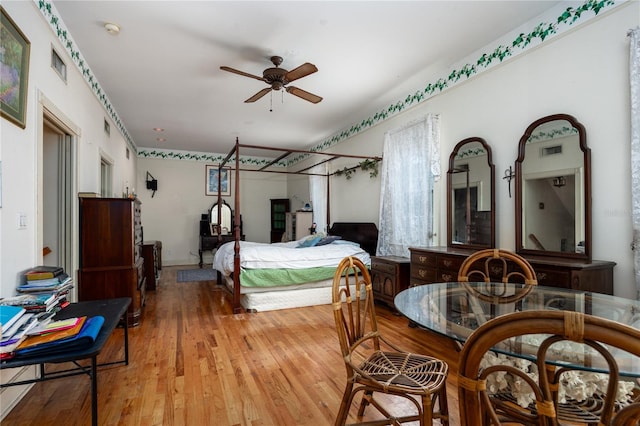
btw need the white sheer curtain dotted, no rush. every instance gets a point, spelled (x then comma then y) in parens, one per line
(318, 195)
(411, 163)
(634, 77)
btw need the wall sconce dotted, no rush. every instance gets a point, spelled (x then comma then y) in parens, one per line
(559, 182)
(152, 184)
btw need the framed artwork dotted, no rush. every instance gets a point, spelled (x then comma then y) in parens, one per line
(211, 180)
(14, 71)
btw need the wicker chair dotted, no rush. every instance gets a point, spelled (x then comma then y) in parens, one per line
(495, 267)
(376, 366)
(480, 403)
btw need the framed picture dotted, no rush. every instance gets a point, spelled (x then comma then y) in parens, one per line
(14, 70)
(211, 180)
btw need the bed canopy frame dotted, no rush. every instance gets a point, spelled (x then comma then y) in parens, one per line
(235, 152)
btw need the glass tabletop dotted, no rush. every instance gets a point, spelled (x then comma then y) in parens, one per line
(456, 309)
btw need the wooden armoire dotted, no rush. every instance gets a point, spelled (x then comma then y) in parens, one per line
(111, 262)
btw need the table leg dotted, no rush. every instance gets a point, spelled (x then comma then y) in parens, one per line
(94, 391)
(200, 254)
(126, 338)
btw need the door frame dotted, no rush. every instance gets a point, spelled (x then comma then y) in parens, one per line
(54, 117)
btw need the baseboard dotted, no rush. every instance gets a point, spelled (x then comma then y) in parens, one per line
(11, 396)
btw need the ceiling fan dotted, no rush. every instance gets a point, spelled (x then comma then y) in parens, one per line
(279, 78)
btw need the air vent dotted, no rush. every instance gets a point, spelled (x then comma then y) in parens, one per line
(551, 150)
(58, 64)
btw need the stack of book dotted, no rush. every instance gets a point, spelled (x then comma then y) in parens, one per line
(16, 322)
(43, 292)
(44, 289)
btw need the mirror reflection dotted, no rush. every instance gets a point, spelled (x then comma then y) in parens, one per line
(471, 217)
(552, 172)
(224, 226)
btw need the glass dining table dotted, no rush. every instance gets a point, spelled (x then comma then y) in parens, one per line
(456, 309)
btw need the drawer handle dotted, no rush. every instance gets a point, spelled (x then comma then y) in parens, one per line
(447, 277)
(448, 263)
(422, 259)
(541, 276)
(422, 273)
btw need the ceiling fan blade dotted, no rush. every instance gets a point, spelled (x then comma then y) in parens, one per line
(304, 94)
(246, 74)
(258, 95)
(302, 71)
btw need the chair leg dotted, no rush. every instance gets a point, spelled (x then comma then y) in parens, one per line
(367, 396)
(444, 405)
(427, 410)
(345, 404)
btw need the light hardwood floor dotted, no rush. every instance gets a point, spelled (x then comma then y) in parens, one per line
(194, 363)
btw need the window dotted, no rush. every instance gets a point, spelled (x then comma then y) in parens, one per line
(409, 169)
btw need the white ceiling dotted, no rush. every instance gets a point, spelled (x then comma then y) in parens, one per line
(163, 68)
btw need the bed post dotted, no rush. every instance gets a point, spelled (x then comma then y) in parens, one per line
(237, 308)
(328, 204)
(219, 204)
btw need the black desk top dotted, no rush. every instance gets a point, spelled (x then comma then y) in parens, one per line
(111, 309)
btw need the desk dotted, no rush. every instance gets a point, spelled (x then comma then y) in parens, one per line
(113, 311)
(455, 311)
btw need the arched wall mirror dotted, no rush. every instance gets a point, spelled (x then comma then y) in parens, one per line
(471, 195)
(225, 226)
(553, 189)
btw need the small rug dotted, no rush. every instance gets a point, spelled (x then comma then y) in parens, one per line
(188, 275)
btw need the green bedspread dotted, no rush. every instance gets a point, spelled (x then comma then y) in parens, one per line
(284, 277)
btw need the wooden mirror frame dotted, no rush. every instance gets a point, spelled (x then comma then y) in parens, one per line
(582, 138)
(215, 217)
(450, 212)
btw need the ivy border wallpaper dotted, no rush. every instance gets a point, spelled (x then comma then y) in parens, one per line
(540, 33)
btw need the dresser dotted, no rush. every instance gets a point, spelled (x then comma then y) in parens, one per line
(152, 255)
(111, 262)
(389, 276)
(298, 224)
(441, 264)
(211, 242)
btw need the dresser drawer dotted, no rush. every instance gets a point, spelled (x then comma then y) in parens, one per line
(423, 259)
(423, 273)
(553, 278)
(446, 276)
(140, 272)
(451, 263)
(387, 268)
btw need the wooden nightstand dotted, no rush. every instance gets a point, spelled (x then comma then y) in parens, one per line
(389, 276)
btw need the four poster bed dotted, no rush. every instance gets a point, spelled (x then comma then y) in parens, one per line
(292, 274)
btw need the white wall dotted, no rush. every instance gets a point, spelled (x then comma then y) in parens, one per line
(21, 149)
(173, 214)
(583, 72)
(21, 153)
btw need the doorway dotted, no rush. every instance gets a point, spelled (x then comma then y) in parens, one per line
(56, 190)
